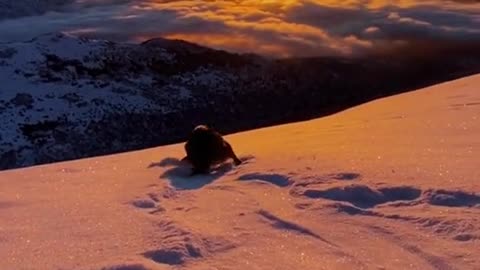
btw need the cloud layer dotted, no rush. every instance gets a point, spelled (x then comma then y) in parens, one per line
(275, 28)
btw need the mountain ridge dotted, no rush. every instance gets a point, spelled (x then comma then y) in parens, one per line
(65, 98)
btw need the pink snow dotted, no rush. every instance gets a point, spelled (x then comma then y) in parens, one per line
(392, 184)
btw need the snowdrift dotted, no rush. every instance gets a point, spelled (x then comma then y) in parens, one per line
(392, 184)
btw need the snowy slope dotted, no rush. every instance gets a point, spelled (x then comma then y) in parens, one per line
(64, 98)
(392, 184)
(61, 94)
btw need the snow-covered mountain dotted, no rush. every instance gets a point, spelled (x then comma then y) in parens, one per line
(59, 94)
(392, 184)
(65, 98)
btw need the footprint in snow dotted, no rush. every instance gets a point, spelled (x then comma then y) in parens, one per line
(180, 175)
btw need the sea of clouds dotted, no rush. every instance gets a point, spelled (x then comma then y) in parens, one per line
(275, 28)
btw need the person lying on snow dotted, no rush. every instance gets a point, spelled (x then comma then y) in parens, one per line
(206, 148)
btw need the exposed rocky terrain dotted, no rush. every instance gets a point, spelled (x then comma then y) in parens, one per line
(65, 98)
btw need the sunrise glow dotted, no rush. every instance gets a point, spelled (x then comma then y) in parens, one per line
(273, 28)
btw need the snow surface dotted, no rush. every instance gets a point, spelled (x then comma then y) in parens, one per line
(67, 95)
(392, 184)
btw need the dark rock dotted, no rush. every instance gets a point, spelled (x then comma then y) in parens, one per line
(7, 53)
(22, 99)
(8, 160)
